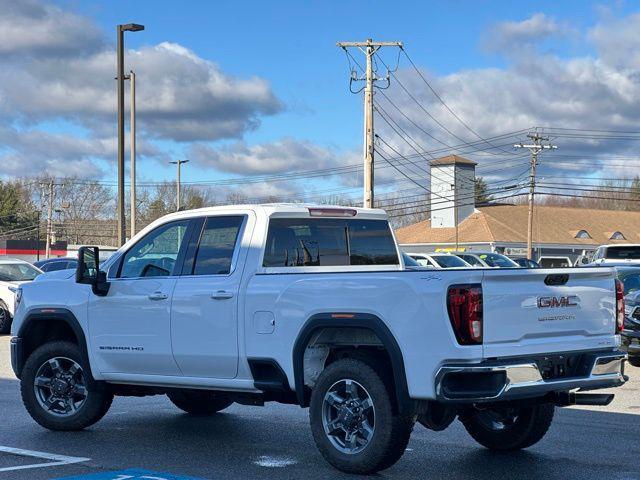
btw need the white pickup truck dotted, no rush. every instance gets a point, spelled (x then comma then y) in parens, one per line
(312, 305)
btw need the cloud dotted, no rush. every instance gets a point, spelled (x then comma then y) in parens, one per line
(286, 155)
(510, 36)
(590, 92)
(32, 28)
(58, 66)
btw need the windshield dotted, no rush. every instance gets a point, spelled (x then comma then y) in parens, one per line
(449, 261)
(18, 272)
(497, 260)
(630, 279)
(408, 261)
(623, 252)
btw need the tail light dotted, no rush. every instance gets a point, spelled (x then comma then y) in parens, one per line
(464, 303)
(619, 306)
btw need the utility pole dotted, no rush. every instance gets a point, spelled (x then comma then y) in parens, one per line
(179, 164)
(535, 148)
(120, 77)
(132, 150)
(369, 48)
(50, 201)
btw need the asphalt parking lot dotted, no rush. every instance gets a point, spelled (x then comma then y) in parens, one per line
(145, 436)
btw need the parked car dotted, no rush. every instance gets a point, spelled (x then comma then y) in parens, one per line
(630, 278)
(312, 305)
(487, 260)
(620, 253)
(53, 264)
(410, 262)
(439, 260)
(525, 262)
(554, 262)
(13, 272)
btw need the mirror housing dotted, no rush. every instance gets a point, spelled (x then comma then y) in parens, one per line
(88, 270)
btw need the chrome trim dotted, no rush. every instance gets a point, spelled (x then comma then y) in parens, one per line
(525, 380)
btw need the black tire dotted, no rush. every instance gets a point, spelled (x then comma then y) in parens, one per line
(97, 400)
(199, 402)
(390, 435)
(526, 426)
(634, 361)
(5, 318)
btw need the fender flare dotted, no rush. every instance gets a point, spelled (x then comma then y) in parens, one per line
(358, 320)
(38, 315)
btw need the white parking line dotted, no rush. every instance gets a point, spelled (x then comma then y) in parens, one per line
(54, 460)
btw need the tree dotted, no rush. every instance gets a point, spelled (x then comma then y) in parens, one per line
(18, 218)
(482, 192)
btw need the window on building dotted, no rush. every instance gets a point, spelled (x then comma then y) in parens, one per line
(583, 234)
(617, 236)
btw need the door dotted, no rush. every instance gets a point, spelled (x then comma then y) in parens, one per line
(204, 316)
(130, 327)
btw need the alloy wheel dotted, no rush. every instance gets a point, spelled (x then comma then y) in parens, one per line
(348, 416)
(60, 386)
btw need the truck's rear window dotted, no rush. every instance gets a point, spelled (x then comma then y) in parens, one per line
(306, 242)
(623, 253)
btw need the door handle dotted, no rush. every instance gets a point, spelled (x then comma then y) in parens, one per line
(221, 295)
(158, 296)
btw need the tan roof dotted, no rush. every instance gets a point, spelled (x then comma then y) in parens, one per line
(452, 159)
(508, 223)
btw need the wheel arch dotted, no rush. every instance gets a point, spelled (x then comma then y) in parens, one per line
(350, 320)
(34, 329)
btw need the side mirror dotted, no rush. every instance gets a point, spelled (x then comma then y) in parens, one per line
(88, 270)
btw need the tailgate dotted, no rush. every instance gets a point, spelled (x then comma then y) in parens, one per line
(536, 311)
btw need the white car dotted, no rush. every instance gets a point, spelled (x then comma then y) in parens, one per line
(619, 254)
(439, 260)
(13, 272)
(487, 260)
(312, 305)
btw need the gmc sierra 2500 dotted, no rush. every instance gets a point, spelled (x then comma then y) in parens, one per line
(312, 305)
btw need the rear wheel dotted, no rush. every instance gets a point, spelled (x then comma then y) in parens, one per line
(5, 318)
(509, 428)
(635, 361)
(353, 419)
(58, 390)
(199, 402)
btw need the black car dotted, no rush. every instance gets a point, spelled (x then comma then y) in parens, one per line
(630, 278)
(524, 262)
(53, 264)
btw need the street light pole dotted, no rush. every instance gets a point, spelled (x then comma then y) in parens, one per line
(179, 164)
(132, 149)
(120, 29)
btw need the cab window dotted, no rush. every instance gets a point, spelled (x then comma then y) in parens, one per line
(155, 255)
(305, 242)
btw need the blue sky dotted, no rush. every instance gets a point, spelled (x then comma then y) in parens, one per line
(501, 65)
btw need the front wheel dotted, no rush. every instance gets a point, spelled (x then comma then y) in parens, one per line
(354, 421)
(5, 318)
(509, 428)
(58, 390)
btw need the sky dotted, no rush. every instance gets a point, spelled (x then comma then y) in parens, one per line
(248, 89)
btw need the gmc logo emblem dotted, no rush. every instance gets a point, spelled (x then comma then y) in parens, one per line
(557, 302)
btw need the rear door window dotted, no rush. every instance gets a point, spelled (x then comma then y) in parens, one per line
(217, 244)
(308, 242)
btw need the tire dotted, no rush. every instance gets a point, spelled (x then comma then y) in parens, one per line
(5, 318)
(199, 402)
(91, 400)
(634, 361)
(512, 429)
(388, 438)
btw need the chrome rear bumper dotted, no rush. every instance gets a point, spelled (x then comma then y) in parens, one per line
(522, 378)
